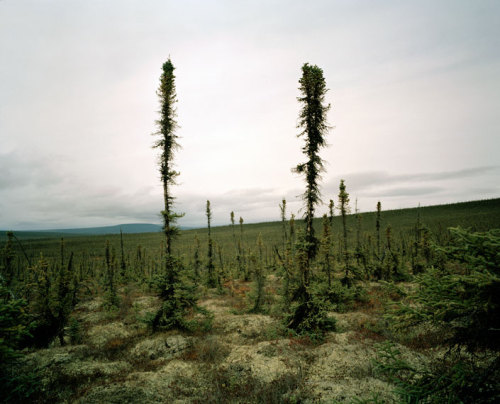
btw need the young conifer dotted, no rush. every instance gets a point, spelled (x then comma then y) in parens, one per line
(8, 257)
(197, 260)
(259, 278)
(220, 274)
(417, 264)
(232, 225)
(377, 227)
(63, 302)
(283, 223)
(62, 251)
(110, 283)
(123, 265)
(212, 280)
(359, 252)
(326, 250)
(331, 208)
(344, 211)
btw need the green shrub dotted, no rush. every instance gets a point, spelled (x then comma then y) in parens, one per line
(343, 298)
(463, 300)
(75, 331)
(451, 380)
(16, 384)
(310, 317)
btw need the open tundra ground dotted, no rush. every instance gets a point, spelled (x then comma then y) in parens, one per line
(243, 358)
(414, 320)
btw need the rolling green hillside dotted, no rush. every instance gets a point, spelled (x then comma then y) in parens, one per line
(476, 215)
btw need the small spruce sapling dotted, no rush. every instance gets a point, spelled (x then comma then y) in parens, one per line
(212, 280)
(110, 281)
(259, 278)
(326, 251)
(196, 259)
(123, 265)
(378, 262)
(344, 211)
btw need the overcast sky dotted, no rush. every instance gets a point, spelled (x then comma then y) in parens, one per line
(414, 88)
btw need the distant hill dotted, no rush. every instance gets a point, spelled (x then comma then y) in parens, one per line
(126, 228)
(475, 215)
(130, 228)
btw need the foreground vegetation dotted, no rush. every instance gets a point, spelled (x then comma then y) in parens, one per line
(417, 324)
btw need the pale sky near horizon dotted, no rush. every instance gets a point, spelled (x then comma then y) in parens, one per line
(414, 88)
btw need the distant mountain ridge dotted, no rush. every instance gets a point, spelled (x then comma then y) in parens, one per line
(125, 228)
(487, 210)
(129, 228)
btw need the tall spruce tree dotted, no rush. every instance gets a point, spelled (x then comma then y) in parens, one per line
(178, 297)
(309, 314)
(312, 121)
(167, 143)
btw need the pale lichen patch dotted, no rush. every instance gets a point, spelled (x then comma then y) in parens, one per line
(100, 335)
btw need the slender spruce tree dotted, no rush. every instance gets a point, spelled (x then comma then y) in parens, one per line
(167, 144)
(241, 258)
(7, 272)
(314, 126)
(326, 250)
(110, 276)
(331, 214)
(359, 253)
(212, 280)
(259, 278)
(312, 122)
(178, 297)
(241, 227)
(377, 227)
(344, 211)
(123, 265)
(232, 226)
(309, 314)
(196, 259)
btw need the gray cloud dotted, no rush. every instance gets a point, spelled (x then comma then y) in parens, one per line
(20, 170)
(364, 181)
(404, 191)
(96, 105)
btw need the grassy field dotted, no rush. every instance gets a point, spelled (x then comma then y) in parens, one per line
(476, 216)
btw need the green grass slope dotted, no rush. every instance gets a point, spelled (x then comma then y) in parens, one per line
(477, 216)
